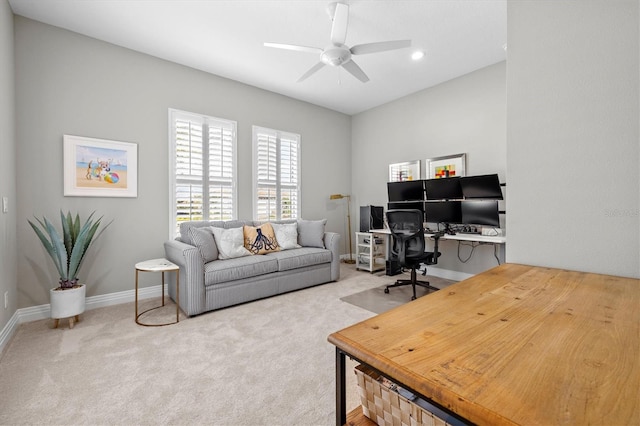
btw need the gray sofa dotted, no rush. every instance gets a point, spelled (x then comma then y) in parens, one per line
(208, 283)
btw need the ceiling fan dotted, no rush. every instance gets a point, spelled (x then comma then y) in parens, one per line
(337, 54)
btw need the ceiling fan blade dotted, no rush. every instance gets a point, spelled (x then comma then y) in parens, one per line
(312, 70)
(356, 71)
(340, 22)
(382, 46)
(294, 47)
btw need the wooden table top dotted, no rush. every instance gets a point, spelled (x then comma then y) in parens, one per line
(515, 345)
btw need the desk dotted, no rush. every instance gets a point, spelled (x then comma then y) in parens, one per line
(514, 345)
(457, 237)
(499, 241)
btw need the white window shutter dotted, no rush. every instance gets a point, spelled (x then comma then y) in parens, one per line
(204, 168)
(276, 174)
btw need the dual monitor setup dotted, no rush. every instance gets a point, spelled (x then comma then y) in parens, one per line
(467, 201)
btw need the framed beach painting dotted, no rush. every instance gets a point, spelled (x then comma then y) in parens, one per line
(447, 166)
(99, 167)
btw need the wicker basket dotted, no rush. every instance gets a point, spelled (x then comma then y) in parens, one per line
(382, 403)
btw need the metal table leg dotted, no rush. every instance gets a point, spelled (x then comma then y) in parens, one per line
(341, 402)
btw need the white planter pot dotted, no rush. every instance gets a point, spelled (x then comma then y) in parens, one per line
(67, 303)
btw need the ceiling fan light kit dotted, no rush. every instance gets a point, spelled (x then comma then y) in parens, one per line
(417, 55)
(337, 54)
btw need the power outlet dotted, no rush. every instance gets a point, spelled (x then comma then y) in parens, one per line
(6, 299)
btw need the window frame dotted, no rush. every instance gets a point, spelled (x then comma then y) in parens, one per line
(278, 135)
(206, 122)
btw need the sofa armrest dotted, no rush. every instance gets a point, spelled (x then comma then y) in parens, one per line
(332, 243)
(189, 259)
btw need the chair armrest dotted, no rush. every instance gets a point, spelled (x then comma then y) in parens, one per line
(332, 243)
(189, 259)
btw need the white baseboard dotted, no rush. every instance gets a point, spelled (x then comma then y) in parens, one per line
(8, 331)
(447, 274)
(35, 313)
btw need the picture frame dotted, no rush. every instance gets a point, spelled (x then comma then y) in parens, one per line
(446, 166)
(99, 167)
(408, 170)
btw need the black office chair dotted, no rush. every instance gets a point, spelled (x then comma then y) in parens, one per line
(408, 245)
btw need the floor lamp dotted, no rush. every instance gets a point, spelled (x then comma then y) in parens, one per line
(348, 197)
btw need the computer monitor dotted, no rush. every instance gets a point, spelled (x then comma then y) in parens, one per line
(483, 186)
(410, 190)
(412, 205)
(443, 212)
(480, 212)
(443, 188)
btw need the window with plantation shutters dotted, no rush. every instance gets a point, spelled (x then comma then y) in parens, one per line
(276, 171)
(203, 154)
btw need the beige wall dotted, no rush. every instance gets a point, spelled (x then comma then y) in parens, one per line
(8, 252)
(71, 84)
(573, 139)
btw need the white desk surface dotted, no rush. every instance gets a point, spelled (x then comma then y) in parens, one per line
(457, 237)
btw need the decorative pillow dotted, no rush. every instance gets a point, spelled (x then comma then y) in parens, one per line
(203, 239)
(311, 233)
(286, 235)
(229, 242)
(260, 239)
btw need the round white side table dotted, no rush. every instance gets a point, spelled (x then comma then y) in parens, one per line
(158, 265)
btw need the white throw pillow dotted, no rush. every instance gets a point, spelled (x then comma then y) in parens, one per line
(230, 242)
(286, 235)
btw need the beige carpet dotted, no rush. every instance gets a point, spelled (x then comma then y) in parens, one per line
(263, 363)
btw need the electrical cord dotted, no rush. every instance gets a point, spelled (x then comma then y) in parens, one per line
(473, 247)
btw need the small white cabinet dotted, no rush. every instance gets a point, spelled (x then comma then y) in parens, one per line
(370, 251)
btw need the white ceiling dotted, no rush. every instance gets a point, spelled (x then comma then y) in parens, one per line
(225, 37)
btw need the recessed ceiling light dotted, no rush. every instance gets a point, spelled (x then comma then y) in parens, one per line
(417, 55)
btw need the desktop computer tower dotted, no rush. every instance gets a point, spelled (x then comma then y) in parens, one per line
(392, 267)
(371, 217)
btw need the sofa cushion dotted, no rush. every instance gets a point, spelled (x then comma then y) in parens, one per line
(311, 233)
(230, 243)
(223, 271)
(260, 239)
(203, 239)
(287, 235)
(300, 257)
(185, 237)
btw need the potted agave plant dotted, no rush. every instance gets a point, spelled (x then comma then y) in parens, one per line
(67, 250)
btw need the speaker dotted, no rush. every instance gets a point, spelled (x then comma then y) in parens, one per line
(371, 217)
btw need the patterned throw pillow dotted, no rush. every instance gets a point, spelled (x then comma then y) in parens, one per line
(286, 235)
(229, 242)
(260, 239)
